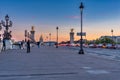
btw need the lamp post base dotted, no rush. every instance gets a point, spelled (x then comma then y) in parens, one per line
(81, 51)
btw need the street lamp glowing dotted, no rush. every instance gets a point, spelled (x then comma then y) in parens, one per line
(81, 39)
(112, 33)
(57, 37)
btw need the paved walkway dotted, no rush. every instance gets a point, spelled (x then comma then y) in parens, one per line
(49, 63)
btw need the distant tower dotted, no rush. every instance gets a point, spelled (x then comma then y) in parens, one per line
(32, 35)
(41, 39)
(72, 36)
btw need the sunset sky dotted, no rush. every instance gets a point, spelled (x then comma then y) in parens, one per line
(99, 17)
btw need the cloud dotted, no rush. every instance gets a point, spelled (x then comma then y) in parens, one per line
(73, 17)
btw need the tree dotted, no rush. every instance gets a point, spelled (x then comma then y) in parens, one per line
(97, 41)
(106, 40)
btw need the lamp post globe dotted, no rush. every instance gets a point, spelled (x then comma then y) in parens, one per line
(25, 35)
(81, 51)
(112, 31)
(57, 28)
(6, 17)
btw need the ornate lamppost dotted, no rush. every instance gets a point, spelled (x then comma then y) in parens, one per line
(50, 39)
(81, 39)
(57, 37)
(28, 35)
(7, 24)
(112, 33)
(25, 35)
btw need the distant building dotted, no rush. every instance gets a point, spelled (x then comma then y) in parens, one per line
(72, 37)
(114, 38)
(50, 43)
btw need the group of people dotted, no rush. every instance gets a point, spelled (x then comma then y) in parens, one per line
(3, 45)
(22, 45)
(28, 46)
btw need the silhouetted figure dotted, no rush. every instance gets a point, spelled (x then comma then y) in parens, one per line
(1, 44)
(22, 42)
(38, 44)
(20, 45)
(4, 45)
(28, 46)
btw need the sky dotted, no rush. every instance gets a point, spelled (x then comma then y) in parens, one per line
(99, 17)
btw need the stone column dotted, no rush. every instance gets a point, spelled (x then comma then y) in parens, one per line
(71, 37)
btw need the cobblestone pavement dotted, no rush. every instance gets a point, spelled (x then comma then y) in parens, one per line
(113, 54)
(49, 63)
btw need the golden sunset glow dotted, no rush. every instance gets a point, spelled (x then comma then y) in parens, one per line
(96, 21)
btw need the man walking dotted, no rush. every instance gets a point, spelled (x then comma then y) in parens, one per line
(1, 45)
(4, 45)
(28, 46)
(38, 44)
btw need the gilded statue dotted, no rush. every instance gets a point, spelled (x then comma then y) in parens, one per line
(72, 30)
(32, 28)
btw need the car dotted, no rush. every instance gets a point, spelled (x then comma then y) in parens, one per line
(62, 44)
(77, 45)
(118, 46)
(100, 45)
(92, 46)
(111, 46)
(68, 45)
(85, 45)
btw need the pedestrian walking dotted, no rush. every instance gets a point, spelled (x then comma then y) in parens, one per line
(1, 45)
(22, 42)
(4, 45)
(28, 46)
(38, 44)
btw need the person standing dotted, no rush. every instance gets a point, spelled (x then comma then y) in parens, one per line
(1, 45)
(28, 46)
(38, 44)
(4, 45)
(22, 42)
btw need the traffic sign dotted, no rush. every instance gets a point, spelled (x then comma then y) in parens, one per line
(83, 34)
